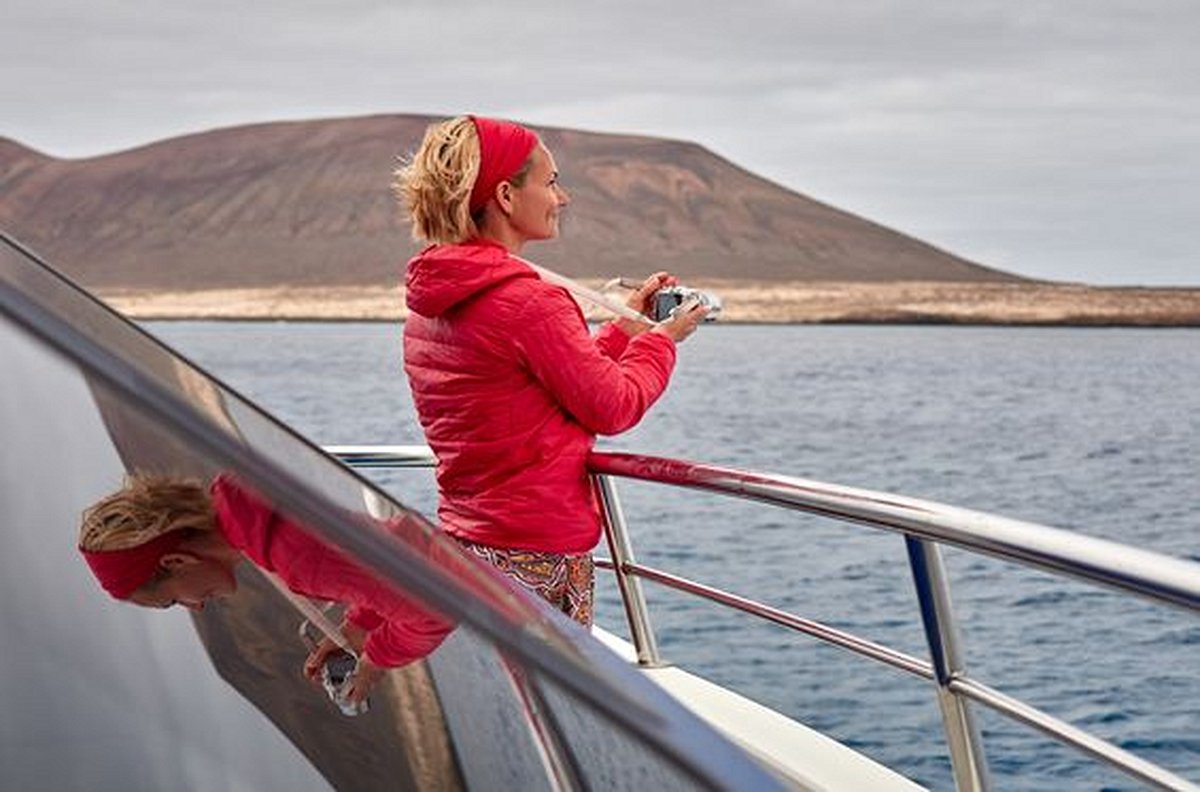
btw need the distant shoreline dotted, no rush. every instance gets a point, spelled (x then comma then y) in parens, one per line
(902, 302)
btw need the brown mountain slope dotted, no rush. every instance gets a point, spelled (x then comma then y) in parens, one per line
(308, 203)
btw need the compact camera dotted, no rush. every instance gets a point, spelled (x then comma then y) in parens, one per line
(337, 675)
(668, 300)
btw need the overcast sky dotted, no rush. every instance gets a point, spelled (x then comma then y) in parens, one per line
(1058, 139)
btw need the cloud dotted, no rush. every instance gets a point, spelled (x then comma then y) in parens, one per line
(1053, 138)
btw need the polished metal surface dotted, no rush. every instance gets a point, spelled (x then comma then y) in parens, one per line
(103, 695)
(1153, 575)
(823, 632)
(100, 694)
(392, 456)
(1132, 764)
(632, 597)
(1158, 577)
(941, 633)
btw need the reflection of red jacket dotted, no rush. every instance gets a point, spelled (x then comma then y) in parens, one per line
(399, 631)
(511, 391)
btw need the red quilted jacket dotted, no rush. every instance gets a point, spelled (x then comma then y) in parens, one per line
(399, 630)
(512, 390)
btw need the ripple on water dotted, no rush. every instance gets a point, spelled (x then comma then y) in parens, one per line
(1092, 429)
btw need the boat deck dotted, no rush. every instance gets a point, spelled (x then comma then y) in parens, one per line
(802, 756)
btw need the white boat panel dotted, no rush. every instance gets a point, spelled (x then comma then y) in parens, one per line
(801, 755)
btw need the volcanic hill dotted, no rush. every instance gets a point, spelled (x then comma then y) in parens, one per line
(308, 203)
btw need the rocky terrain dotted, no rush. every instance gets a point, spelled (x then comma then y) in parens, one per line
(296, 220)
(309, 203)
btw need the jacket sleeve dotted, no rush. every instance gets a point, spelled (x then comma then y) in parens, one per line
(363, 616)
(611, 340)
(399, 629)
(604, 395)
(402, 640)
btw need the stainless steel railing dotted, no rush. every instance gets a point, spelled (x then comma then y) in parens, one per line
(925, 526)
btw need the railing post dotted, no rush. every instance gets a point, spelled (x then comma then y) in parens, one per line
(962, 735)
(621, 549)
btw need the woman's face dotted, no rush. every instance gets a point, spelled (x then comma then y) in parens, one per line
(191, 581)
(537, 202)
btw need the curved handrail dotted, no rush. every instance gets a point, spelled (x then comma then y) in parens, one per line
(1160, 577)
(1146, 573)
(384, 456)
(1151, 574)
(830, 635)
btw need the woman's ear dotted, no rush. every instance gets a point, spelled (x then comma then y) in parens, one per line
(176, 559)
(504, 197)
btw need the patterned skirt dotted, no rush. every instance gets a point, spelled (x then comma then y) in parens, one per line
(568, 582)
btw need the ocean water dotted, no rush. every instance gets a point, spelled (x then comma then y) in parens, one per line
(1092, 430)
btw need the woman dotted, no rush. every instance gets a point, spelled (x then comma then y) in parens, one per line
(160, 541)
(509, 386)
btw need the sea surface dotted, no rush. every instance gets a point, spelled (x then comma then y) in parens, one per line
(1091, 430)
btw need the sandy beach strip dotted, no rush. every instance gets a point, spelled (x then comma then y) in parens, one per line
(744, 302)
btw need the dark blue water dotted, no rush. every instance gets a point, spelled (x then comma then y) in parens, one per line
(1094, 430)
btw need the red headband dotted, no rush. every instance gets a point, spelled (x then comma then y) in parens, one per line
(122, 572)
(503, 149)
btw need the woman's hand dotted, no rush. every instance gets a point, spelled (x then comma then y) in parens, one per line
(642, 301)
(366, 674)
(354, 635)
(687, 317)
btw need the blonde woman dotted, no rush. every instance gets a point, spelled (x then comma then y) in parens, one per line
(510, 387)
(159, 542)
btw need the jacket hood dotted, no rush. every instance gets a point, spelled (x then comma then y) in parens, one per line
(443, 276)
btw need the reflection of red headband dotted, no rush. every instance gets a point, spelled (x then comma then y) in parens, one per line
(122, 572)
(503, 149)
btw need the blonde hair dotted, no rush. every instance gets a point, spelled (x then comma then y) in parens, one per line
(145, 508)
(434, 185)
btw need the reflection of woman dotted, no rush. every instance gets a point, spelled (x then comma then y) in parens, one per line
(508, 384)
(159, 542)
